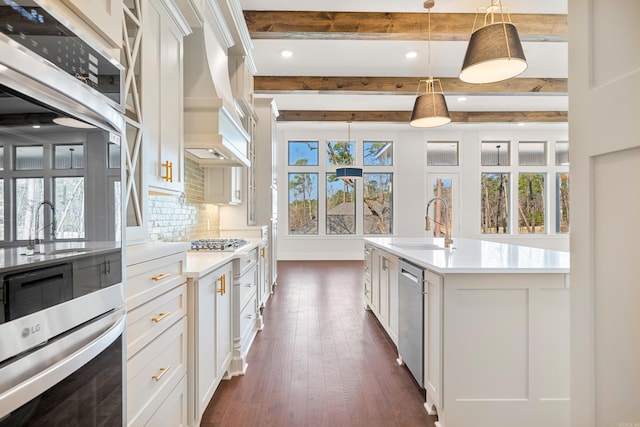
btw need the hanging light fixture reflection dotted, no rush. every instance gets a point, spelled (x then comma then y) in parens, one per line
(430, 108)
(350, 172)
(494, 52)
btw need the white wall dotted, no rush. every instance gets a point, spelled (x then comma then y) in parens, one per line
(410, 182)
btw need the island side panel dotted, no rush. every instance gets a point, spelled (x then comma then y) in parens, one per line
(506, 350)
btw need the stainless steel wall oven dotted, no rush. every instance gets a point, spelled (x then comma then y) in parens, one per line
(62, 316)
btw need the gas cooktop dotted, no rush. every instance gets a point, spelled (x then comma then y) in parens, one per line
(224, 245)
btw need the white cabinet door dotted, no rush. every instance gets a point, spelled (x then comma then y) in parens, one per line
(264, 288)
(265, 166)
(392, 267)
(223, 185)
(213, 334)
(375, 281)
(162, 102)
(224, 319)
(383, 307)
(368, 265)
(433, 301)
(205, 351)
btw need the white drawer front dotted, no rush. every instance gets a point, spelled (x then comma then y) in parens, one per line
(173, 411)
(154, 372)
(247, 260)
(149, 279)
(248, 317)
(247, 287)
(149, 320)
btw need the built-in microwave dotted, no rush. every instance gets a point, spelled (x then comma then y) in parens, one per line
(61, 226)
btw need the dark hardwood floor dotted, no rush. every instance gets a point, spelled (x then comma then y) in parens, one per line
(321, 360)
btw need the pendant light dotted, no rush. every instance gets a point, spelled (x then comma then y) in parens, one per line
(430, 108)
(350, 172)
(494, 52)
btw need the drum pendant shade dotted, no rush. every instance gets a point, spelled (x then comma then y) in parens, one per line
(348, 173)
(430, 110)
(494, 54)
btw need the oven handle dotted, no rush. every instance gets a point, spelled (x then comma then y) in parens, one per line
(47, 366)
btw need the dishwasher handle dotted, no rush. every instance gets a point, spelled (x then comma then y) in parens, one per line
(409, 276)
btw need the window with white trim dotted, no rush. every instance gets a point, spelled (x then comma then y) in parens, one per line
(322, 204)
(524, 190)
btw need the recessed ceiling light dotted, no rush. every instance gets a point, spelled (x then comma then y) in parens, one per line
(462, 98)
(36, 126)
(520, 124)
(411, 55)
(286, 54)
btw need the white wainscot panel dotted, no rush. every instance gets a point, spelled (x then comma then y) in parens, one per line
(551, 350)
(491, 338)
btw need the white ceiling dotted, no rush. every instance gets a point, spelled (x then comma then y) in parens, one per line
(377, 58)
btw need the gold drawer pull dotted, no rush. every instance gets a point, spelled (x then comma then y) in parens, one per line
(223, 285)
(168, 176)
(162, 372)
(262, 252)
(160, 317)
(160, 276)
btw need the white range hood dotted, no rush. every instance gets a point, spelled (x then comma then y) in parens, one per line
(213, 133)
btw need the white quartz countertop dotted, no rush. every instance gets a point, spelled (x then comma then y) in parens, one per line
(473, 255)
(17, 258)
(144, 251)
(201, 263)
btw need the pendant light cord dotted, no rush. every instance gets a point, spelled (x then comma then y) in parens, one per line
(429, 41)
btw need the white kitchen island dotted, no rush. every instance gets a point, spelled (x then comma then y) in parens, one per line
(496, 328)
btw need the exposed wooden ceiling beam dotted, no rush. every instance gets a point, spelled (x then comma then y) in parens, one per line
(27, 119)
(392, 26)
(403, 116)
(405, 85)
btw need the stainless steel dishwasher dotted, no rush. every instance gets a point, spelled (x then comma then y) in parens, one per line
(411, 318)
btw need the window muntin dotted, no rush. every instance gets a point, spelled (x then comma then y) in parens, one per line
(303, 203)
(303, 153)
(494, 218)
(531, 203)
(442, 153)
(377, 153)
(340, 153)
(378, 203)
(495, 153)
(562, 203)
(340, 206)
(532, 153)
